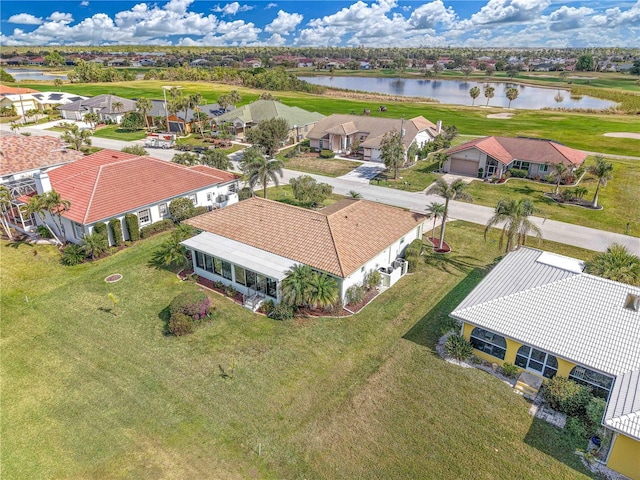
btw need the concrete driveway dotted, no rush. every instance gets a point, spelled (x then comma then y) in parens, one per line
(364, 173)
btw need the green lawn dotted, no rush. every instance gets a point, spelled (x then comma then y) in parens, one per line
(89, 395)
(116, 133)
(579, 130)
(284, 193)
(414, 179)
(311, 163)
(619, 199)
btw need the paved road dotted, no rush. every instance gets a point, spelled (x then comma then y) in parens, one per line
(566, 233)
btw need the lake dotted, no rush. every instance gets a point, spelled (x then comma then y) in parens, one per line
(457, 92)
(28, 74)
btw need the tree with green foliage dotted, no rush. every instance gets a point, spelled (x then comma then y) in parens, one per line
(436, 210)
(585, 63)
(559, 172)
(92, 119)
(58, 82)
(307, 190)
(132, 121)
(466, 71)
(144, 106)
(75, 137)
(186, 158)
(261, 171)
(450, 191)
(392, 151)
(215, 159)
(489, 93)
(50, 203)
(635, 69)
(94, 245)
(323, 291)
(6, 77)
(135, 150)
(295, 287)
(269, 135)
(54, 59)
(602, 170)
(514, 215)
(512, 93)
(5, 205)
(171, 253)
(234, 98)
(617, 263)
(181, 208)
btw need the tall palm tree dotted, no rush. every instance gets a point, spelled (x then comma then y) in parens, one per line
(323, 291)
(436, 210)
(617, 264)
(512, 93)
(450, 191)
(489, 92)
(475, 93)
(92, 119)
(392, 151)
(117, 106)
(75, 137)
(602, 171)
(56, 206)
(261, 171)
(36, 206)
(5, 205)
(515, 216)
(295, 287)
(559, 170)
(144, 106)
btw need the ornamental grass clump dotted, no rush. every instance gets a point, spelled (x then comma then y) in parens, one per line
(458, 347)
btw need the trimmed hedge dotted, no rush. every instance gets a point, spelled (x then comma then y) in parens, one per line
(412, 254)
(161, 226)
(115, 225)
(199, 211)
(101, 228)
(518, 173)
(327, 154)
(133, 226)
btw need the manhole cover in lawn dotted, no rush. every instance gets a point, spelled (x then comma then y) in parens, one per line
(113, 278)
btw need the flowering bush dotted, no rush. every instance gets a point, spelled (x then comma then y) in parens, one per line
(192, 304)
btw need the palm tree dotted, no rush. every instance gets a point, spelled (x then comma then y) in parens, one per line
(5, 205)
(323, 291)
(354, 194)
(144, 105)
(392, 151)
(75, 137)
(37, 207)
(559, 170)
(201, 118)
(295, 287)
(94, 244)
(56, 206)
(58, 82)
(512, 94)
(602, 171)
(475, 93)
(514, 214)
(215, 159)
(234, 98)
(489, 92)
(450, 191)
(261, 171)
(92, 119)
(117, 106)
(436, 210)
(617, 264)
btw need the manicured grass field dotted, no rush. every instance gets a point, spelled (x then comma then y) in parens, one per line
(414, 179)
(116, 133)
(329, 167)
(88, 395)
(578, 130)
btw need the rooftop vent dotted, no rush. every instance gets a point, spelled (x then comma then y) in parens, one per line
(632, 302)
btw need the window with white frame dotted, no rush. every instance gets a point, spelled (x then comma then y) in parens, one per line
(144, 217)
(209, 196)
(488, 342)
(599, 382)
(519, 164)
(193, 198)
(78, 230)
(536, 360)
(163, 209)
(543, 168)
(232, 188)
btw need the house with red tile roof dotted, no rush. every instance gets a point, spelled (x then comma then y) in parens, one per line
(346, 241)
(492, 156)
(110, 184)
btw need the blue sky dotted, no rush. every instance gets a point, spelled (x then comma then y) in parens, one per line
(380, 23)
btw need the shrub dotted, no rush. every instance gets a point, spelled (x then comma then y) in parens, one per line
(567, 195)
(519, 173)
(327, 154)
(281, 311)
(181, 324)
(72, 255)
(115, 225)
(354, 294)
(195, 305)
(595, 411)
(43, 232)
(267, 307)
(101, 229)
(133, 226)
(199, 211)
(458, 347)
(244, 193)
(567, 396)
(550, 179)
(510, 370)
(218, 284)
(412, 254)
(161, 226)
(480, 172)
(415, 247)
(180, 209)
(576, 427)
(372, 279)
(229, 291)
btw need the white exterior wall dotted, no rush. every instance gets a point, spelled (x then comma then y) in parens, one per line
(376, 155)
(70, 115)
(422, 138)
(470, 155)
(534, 169)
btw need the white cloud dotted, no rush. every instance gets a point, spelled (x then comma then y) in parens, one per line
(506, 11)
(615, 17)
(24, 19)
(60, 17)
(569, 18)
(431, 14)
(284, 23)
(84, 3)
(232, 8)
(270, 5)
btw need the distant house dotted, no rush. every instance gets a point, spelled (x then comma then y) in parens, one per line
(493, 156)
(539, 311)
(251, 245)
(110, 184)
(305, 62)
(109, 108)
(22, 158)
(339, 132)
(242, 119)
(50, 100)
(178, 122)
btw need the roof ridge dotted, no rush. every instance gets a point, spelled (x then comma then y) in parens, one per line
(335, 246)
(93, 191)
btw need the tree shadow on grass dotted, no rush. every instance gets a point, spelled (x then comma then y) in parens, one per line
(450, 263)
(165, 315)
(19, 243)
(436, 322)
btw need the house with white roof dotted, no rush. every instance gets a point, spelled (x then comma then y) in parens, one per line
(541, 312)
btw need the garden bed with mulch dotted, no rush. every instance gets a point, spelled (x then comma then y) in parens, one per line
(576, 202)
(209, 284)
(368, 297)
(436, 244)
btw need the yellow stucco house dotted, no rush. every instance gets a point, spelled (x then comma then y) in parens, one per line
(539, 311)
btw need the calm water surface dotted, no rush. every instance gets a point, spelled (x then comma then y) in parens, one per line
(29, 74)
(457, 92)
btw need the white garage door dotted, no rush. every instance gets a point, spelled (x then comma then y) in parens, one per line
(464, 167)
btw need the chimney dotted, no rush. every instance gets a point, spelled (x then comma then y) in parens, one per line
(43, 184)
(439, 127)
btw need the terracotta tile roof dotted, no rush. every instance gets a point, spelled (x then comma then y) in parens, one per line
(507, 149)
(109, 183)
(6, 90)
(220, 175)
(21, 154)
(338, 239)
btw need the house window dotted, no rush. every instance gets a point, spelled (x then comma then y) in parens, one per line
(226, 270)
(543, 168)
(240, 275)
(210, 197)
(163, 209)
(208, 263)
(252, 279)
(520, 165)
(200, 260)
(488, 342)
(78, 230)
(232, 188)
(537, 361)
(599, 382)
(193, 198)
(144, 217)
(217, 266)
(272, 288)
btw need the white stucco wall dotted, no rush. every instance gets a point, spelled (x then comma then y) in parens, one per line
(469, 155)
(422, 138)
